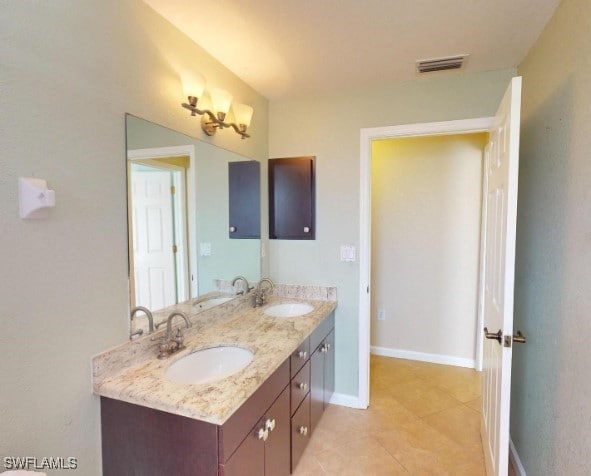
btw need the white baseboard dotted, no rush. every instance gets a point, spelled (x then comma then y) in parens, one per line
(346, 401)
(423, 357)
(515, 460)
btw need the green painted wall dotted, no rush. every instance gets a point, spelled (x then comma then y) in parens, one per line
(328, 126)
(551, 409)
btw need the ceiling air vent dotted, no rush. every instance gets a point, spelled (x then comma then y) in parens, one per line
(440, 64)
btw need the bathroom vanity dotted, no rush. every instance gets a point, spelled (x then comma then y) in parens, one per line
(255, 422)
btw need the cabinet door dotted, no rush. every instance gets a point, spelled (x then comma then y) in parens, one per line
(248, 459)
(277, 447)
(316, 387)
(300, 432)
(244, 182)
(329, 367)
(291, 198)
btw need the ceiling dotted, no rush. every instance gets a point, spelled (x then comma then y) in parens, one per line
(285, 48)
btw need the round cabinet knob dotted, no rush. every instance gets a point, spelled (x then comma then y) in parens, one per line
(327, 347)
(323, 349)
(270, 424)
(302, 354)
(303, 386)
(303, 430)
(232, 229)
(306, 229)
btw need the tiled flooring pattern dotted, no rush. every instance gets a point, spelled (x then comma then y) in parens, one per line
(423, 419)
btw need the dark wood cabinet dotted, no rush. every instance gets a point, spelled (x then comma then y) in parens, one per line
(266, 436)
(322, 378)
(292, 198)
(265, 451)
(300, 431)
(277, 446)
(244, 184)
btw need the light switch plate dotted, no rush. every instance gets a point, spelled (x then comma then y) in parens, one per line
(348, 253)
(205, 249)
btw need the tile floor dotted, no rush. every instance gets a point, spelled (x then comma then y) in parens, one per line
(423, 419)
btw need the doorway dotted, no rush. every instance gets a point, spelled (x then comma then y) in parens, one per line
(368, 136)
(161, 216)
(426, 219)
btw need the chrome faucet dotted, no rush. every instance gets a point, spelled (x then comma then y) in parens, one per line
(259, 293)
(170, 344)
(246, 285)
(148, 314)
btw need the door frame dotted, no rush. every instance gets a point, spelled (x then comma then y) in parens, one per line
(464, 126)
(191, 195)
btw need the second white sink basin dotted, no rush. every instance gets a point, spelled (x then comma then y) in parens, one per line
(288, 309)
(208, 365)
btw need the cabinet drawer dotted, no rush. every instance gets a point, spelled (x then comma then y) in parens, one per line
(300, 386)
(300, 432)
(300, 357)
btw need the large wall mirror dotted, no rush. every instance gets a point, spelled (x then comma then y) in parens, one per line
(180, 199)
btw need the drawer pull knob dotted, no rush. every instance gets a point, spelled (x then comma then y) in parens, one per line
(303, 430)
(302, 354)
(303, 386)
(263, 434)
(270, 424)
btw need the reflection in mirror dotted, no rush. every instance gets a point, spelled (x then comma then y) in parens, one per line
(178, 215)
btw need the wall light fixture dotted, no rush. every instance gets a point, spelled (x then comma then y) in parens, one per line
(211, 121)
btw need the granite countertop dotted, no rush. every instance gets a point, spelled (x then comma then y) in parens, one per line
(132, 373)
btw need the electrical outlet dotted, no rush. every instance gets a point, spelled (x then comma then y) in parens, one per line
(381, 315)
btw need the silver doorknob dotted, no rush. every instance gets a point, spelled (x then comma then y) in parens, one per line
(498, 336)
(520, 338)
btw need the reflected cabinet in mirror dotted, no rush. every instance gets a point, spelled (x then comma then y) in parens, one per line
(193, 216)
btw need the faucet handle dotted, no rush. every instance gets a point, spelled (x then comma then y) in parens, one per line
(163, 348)
(179, 339)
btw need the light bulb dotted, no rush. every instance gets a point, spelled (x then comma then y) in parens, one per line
(221, 101)
(242, 115)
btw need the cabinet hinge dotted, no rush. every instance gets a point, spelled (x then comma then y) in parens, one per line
(172, 189)
(174, 248)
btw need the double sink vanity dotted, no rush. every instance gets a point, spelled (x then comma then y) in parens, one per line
(242, 397)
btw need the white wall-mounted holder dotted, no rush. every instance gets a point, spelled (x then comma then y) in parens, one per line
(34, 198)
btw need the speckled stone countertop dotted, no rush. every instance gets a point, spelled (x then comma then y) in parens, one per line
(132, 373)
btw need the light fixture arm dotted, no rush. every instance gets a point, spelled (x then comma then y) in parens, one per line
(209, 122)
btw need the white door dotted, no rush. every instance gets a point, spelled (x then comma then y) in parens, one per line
(152, 228)
(501, 169)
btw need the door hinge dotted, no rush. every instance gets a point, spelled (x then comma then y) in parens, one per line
(172, 189)
(174, 248)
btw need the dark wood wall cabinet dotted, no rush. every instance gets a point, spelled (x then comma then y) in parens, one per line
(266, 436)
(244, 185)
(292, 198)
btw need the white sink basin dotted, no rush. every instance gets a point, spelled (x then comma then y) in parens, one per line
(289, 309)
(212, 302)
(208, 365)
